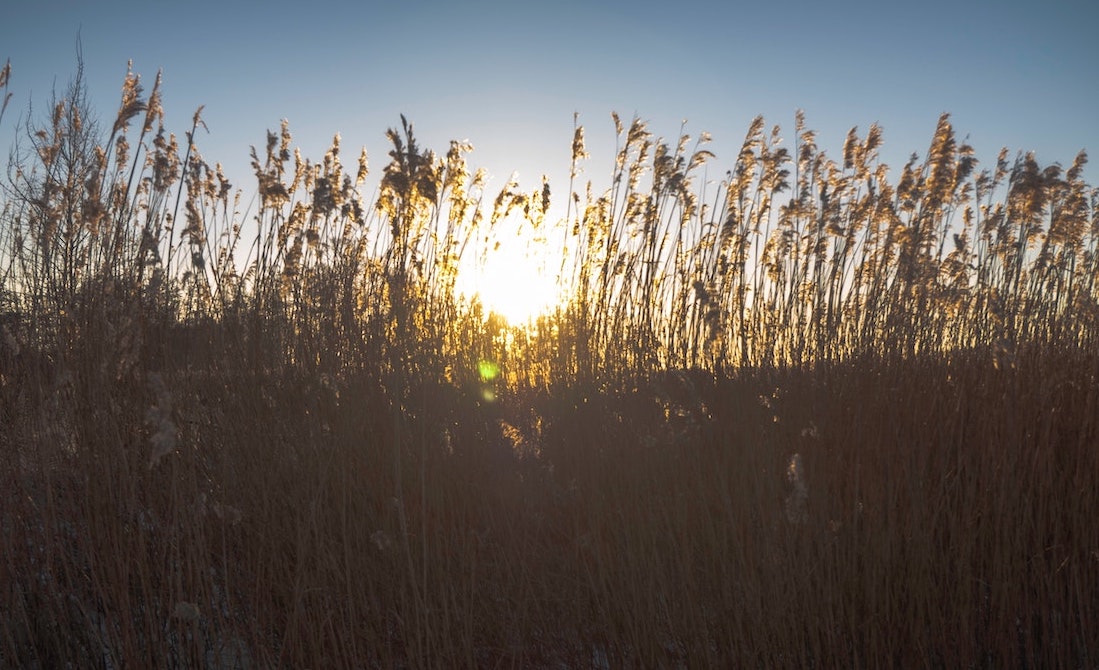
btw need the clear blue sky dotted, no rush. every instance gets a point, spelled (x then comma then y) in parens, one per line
(508, 76)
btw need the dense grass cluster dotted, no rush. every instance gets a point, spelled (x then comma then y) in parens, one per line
(821, 416)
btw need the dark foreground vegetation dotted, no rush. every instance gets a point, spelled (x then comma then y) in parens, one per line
(824, 420)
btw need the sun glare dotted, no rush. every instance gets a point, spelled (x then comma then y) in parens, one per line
(518, 281)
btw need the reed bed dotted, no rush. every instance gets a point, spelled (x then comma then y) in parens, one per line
(818, 415)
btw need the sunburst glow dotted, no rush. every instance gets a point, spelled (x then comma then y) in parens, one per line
(516, 279)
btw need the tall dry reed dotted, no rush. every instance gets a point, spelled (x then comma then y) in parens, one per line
(812, 417)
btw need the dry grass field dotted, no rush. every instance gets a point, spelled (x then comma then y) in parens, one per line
(826, 415)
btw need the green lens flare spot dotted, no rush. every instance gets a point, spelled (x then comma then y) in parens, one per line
(488, 370)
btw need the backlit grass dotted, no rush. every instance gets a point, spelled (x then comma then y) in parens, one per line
(823, 414)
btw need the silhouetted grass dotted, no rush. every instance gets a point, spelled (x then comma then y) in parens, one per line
(814, 418)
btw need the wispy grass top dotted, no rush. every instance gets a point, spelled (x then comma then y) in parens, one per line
(794, 257)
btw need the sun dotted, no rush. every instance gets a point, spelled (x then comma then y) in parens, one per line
(516, 280)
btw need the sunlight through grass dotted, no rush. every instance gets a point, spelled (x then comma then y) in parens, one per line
(774, 418)
(517, 279)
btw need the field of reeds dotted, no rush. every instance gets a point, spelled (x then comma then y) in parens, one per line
(823, 414)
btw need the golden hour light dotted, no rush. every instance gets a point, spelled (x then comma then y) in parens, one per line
(292, 372)
(517, 278)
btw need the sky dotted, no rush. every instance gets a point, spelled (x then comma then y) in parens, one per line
(509, 76)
